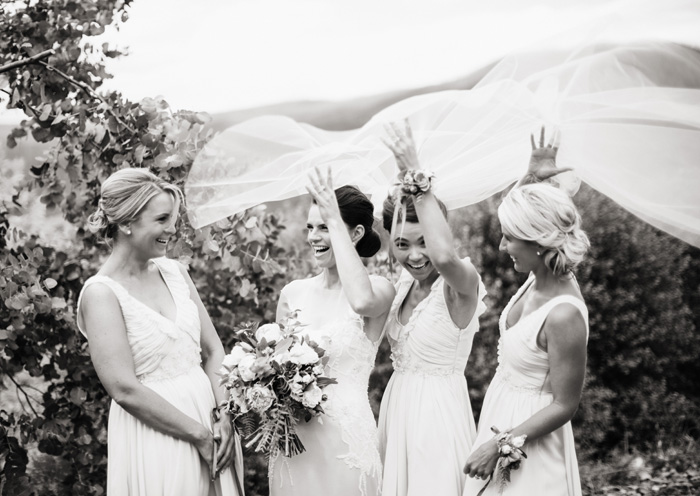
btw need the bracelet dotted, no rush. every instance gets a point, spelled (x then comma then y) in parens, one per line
(415, 181)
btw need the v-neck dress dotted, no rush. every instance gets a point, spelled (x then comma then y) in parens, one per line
(426, 426)
(142, 461)
(519, 389)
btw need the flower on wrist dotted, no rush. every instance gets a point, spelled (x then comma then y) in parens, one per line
(415, 181)
(510, 456)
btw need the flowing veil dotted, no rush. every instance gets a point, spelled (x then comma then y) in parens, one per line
(629, 117)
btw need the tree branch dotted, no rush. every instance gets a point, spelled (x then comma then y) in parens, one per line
(30, 60)
(29, 398)
(88, 90)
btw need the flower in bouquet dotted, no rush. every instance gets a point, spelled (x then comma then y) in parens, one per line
(275, 378)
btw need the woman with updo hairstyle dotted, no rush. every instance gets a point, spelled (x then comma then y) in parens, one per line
(344, 310)
(426, 427)
(526, 414)
(155, 351)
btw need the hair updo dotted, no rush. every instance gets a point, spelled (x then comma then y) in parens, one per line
(122, 197)
(546, 215)
(389, 206)
(357, 210)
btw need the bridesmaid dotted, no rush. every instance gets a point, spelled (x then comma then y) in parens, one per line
(426, 425)
(155, 351)
(542, 349)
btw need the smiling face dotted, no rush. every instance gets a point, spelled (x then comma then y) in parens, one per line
(523, 253)
(408, 246)
(318, 237)
(153, 227)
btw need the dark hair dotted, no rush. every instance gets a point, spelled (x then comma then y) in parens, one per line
(357, 210)
(411, 216)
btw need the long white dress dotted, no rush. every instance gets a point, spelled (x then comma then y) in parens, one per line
(142, 461)
(341, 457)
(519, 389)
(426, 426)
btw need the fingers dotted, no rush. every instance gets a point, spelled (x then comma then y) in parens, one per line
(532, 141)
(542, 137)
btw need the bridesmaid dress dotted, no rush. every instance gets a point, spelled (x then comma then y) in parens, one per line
(142, 461)
(426, 426)
(519, 389)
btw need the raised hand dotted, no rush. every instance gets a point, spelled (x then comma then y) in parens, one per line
(320, 188)
(543, 158)
(400, 141)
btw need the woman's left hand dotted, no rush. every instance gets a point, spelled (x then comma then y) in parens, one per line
(401, 143)
(543, 159)
(225, 438)
(320, 187)
(482, 462)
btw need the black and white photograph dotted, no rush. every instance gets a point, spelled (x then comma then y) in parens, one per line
(349, 248)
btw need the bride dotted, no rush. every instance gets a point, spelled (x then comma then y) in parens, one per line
(344, 309)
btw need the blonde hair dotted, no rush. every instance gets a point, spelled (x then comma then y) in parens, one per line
(546, 215)
(124, 195)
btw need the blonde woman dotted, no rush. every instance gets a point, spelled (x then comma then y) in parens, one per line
(542, 348)
(155, 350)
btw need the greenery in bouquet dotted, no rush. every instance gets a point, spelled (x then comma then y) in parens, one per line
(274, 375)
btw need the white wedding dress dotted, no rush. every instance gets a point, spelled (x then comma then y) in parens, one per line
(341, 457)
(142, 461)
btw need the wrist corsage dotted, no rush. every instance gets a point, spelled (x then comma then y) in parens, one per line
(510, 455)
(415, 181)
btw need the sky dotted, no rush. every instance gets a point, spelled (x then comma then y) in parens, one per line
(222, 55)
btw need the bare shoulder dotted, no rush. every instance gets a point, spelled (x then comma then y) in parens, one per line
(566, 322)
(98, 293)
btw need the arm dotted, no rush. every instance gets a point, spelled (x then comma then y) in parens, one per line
(565, 335)
(461, 277)
(367, 297)
(212, 356)
(113, 362)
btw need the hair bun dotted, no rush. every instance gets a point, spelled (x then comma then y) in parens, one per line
(370, 244)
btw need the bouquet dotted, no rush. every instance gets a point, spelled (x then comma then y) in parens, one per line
(274, 376)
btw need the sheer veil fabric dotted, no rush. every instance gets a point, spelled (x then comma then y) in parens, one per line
(629, 117)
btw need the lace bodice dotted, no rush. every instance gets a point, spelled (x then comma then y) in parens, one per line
(430, 343)
(161, 348)
(340, 331)
(521, 362)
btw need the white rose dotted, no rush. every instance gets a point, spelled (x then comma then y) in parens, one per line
(303, 354)
(231, 360)
(312, 396)
(271, 332)
(259, 398)
(245, 367)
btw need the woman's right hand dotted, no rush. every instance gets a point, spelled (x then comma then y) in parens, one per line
(482, 462)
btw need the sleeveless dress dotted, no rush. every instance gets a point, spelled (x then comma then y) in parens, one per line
(520, 389)
(341, 457)
(142, 461)
(426, 426)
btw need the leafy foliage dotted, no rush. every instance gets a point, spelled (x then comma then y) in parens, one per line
(640, 285)
(53, 73)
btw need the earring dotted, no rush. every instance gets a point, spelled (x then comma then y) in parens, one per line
(538, 253)
(128, 233)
